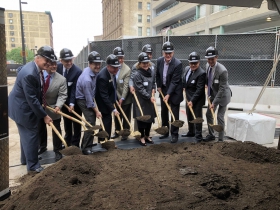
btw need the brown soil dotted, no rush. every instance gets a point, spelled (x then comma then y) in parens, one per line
(202, 176)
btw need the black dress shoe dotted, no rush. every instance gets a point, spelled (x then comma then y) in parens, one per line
(209, 138)
(115, 136)
(188, 135)
(142, 144)
(220, 140)
(42, 150)
(149, 141)
(58, 156)
(87, 151)
(174, 139)
(164, 136)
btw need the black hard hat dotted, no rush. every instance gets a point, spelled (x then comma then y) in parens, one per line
(113, 60)
(143, 57)
(94, 57)
(194, 57)
(168, 47)
(147, 48)
(66, 54)
(47, 52)
(211, 52)
(118, 51)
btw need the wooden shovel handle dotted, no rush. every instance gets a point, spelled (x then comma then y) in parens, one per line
(136, 99)
(119, 119)
(67, 116)
(100, 120)
(58, 134)
(79, 116)
(168, 107)
(155, 105)
(191, 109)
(212, 111)
(124, 115)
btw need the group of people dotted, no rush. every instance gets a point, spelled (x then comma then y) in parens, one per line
(46, 89)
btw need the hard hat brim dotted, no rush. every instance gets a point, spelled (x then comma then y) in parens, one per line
(145, 61)
(210, 56)
(67, 58)
(52, 60)
(97, 61)
(115, 65)
(168, 51)
(193, 61)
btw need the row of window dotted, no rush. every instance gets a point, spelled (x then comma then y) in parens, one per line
(140, 18)
(140, 5)
(148, 31)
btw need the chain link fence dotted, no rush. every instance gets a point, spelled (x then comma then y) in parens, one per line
(247, 57)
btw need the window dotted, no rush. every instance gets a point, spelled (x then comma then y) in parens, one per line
(13, 45)
(139, 31)
(202, 10)
(11, 21)
(12, 39)
(11, 27)
(148, 18)
(148, 31)
(148, 6)
(10, 15)
(12, 33)
(139, 5)
(139, 18)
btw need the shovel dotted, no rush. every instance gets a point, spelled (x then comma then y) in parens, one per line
(196, 120)
(142, 117)
(132, 133)
(95, 127)
(176, 123)
(107, 144)
(71, 118)
(122, 132)
(58, 134)
(217, 128)
(160, 130)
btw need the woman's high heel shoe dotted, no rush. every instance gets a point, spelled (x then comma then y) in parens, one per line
(148, 140)
(141, 143)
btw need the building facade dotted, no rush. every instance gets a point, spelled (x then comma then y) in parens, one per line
(37, 27)
(126, 19)
(189, 18)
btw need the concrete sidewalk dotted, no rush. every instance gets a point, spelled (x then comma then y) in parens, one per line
(16, 170)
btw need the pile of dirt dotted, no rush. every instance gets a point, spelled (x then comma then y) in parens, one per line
(165, 176)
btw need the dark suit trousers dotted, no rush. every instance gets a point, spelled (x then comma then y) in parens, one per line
(29, 147)
(90, 116)
(72, 137)
(165, 114)
(127, 110)
(43, 135)
(195, 128)
(107, 121)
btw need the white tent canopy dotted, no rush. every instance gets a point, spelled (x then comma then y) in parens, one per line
(272, 4)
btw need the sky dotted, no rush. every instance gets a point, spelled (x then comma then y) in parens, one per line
(74, 21)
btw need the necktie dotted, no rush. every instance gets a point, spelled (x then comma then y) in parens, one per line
(209, 81)
(47, 83)
(190, 75)
(65, 73)
(43, 85)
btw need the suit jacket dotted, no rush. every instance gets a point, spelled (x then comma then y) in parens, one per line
(105, 92)
(173, 79)
(71, 79)
(56, 94)
(221, 92)
(25, 100)
(195, 86)
(122, 84)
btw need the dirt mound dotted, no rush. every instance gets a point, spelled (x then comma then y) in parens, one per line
(72, 150)
(252, 152)
(165, 176)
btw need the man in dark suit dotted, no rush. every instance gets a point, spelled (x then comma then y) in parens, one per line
(71, 72)
(168, 79)
(194, 84)
(218, 90)
(105, 92)
(55, 91)
(25, 106)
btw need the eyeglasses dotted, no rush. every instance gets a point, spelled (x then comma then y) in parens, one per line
(194, 63)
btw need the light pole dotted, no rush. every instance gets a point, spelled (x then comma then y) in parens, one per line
(22, 34)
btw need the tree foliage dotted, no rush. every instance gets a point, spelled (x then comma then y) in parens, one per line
(14, 55)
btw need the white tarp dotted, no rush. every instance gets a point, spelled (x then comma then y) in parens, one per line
(256, 128)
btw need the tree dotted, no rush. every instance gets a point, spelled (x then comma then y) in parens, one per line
(14, 55)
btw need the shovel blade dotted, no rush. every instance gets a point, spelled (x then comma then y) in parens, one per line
(109, 145)
(217, 128)
(178, 123)
(162, 130)
(136, 134)
(96, 127)
(144, 118)
(102, 134)
(197, 120)
(124, 132)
